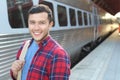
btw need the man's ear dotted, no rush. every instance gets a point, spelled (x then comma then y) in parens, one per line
(51, 24)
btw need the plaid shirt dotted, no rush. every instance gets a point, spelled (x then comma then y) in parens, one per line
(51, 62)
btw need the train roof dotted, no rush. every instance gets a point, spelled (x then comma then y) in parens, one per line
(111, 6)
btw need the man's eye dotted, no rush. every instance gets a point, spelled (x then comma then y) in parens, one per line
(42, 23)
(31, 22)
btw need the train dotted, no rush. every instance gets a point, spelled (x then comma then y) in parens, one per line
(76, 24)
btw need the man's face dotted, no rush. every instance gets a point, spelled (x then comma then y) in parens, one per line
(39, 25)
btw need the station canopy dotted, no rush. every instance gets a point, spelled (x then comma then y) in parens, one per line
(111, 6)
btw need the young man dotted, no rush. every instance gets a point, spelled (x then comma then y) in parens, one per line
(45, 58)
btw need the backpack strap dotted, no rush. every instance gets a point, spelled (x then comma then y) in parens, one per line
(22, 56)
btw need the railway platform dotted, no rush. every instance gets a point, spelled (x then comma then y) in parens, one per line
(103, 63)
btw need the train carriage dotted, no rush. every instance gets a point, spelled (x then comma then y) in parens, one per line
(76, 23)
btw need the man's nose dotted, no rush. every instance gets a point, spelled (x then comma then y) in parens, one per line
(36, 26)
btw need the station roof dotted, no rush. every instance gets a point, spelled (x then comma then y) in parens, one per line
(111, 6)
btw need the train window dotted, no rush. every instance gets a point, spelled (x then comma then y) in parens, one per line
(72, 17)
(80, 17)
(10, 3)
(90, 19)
(50, 5)
(62, 15)
(95, 20)
(17, 12)
(85, 18)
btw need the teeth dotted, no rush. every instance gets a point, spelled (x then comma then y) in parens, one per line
(36, 33)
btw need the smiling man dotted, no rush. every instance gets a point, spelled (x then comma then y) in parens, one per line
(45, 59)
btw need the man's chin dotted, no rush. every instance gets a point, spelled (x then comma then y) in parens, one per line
(36, 39)
(39, 39)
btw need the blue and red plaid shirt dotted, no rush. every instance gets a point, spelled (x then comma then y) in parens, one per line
(50, 62)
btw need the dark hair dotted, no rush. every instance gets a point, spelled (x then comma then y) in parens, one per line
(41, 8)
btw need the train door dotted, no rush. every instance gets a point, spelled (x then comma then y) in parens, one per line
(95, 22)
